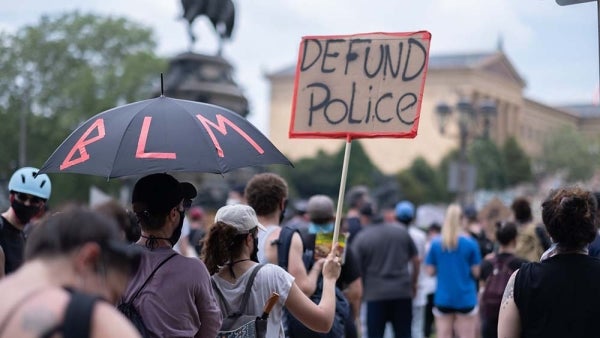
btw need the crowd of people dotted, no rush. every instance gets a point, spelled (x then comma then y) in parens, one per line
(160, 267)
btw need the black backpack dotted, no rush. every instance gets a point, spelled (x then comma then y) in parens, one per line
(128, 309)
(295, 329)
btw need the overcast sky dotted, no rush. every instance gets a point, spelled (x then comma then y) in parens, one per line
(554, 48)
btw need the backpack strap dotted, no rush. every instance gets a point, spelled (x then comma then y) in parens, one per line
(78, 316)
(248, 290)
(245, 296)
(150, 277)
(284, 244)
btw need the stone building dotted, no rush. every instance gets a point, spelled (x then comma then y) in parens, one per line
(475, 77)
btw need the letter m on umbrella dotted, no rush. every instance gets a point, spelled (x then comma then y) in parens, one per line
(221, 126)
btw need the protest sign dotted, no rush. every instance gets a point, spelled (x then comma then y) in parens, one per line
(360, 86)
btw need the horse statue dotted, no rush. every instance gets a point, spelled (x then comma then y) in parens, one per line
(221, 14)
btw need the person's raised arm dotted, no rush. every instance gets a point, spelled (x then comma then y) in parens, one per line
(306, 281)
(319, 317)
(509, 321)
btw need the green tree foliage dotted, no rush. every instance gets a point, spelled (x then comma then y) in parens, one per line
(517, 163)
(321, 174)
(568, 151)
(421, 183)
(485, 155)
(62, 71)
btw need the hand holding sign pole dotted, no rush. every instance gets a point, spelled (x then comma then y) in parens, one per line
(359, 86)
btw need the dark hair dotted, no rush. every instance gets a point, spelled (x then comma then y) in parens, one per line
(134, 231)
(65, 231)
(367, 209)
(506, 232)
(522, 210)
(264, 192)
(570, 217)
(435, 226)
(356, 195)
(239, 188)
(221, 245)
(126, 219)
(470, 213)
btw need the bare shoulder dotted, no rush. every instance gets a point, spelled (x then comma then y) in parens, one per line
(297, 244)
(274, 234)
(509, 291)
(109, 322)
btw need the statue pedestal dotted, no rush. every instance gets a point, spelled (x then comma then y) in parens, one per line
(205, 78)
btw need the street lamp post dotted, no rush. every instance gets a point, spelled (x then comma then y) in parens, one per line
(462, 175)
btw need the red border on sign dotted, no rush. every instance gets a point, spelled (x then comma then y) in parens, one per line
(425, 35)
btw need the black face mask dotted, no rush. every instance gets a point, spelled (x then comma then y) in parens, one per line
(254, 254)
(177, 232)
(23, 212)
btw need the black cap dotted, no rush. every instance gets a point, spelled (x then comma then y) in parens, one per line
(161, 192)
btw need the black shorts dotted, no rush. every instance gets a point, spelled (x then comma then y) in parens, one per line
(450, 310)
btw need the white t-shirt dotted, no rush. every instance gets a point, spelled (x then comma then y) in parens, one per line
(270, 278)
(420, 240)
(262, 241)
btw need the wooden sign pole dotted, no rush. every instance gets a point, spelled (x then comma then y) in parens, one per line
(340, 203)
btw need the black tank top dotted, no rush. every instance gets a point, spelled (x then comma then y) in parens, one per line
(559, 297)
(12, 241)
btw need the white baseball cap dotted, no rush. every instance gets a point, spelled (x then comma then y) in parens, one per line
(240, 216)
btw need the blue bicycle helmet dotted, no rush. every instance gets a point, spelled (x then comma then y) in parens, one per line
(25, 181)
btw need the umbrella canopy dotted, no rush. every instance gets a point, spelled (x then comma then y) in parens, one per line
(163, 135)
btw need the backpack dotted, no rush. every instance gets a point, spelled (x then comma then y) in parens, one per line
(495, 285)
(128, 309)
(240, 324)
(295, 329)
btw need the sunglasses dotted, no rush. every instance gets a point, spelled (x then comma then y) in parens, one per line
(33, 200)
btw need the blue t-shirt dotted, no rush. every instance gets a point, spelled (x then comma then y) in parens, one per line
(456, 287)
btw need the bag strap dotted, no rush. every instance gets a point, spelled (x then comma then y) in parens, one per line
(248, 290)
(245, 296)
(283, 245)
(78, 315)
(150, 277)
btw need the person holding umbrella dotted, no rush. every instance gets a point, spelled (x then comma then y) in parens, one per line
(177, 300)
(230, 254)
(28, 193)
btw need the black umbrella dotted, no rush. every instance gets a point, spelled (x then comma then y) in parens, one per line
(163, 135)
